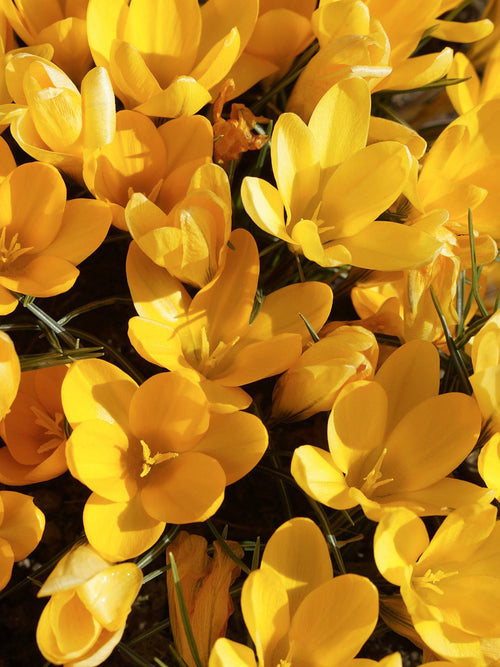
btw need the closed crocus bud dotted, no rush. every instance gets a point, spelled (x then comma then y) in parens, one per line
(313, 382)
(205, 583)
(86, 614)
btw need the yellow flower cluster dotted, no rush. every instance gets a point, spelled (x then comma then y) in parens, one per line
(312, 263)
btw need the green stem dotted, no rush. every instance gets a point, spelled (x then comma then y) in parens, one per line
(454, 353)
(475, 270)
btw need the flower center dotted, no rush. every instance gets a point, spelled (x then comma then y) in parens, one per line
(149, 459)
(53, 425)
(430, 580)
(10, 250)
(374, 480)
(208, 360)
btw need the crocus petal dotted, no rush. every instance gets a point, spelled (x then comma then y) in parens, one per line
(440, 498)
(295, 164)
(74, 568)
(185, 489)
(264, 205)
(169, 412)
(389, 246)
(216, 300)
(33, 199)
(6, 563)
(7, 160)
(98, 109)
(305, 234)
(96, 389)
(71, 49)
(84, 227)
(419, 71)
(282, 309)
(66, 628)
(351, 438)
(220, 16)
(430, 441)
(224, 400)
(254, 361)
(217, 62)
(131, 75)
(316, 473)
(102, 23)
(456, 31)
(226, 653)
(489, 463)
(468, 526)
(409, 376)
(348, 102)
(24, 132)
(237, 441)
(10, 373)
(383, 129)
(183, 97)
(156, 294)
(400, 538)
(264, 603)
(119, 531)
(364, 186)
(109, 594)
(23, 523)
(159, 344)
(100, 455)
(464, 96)
(334, 621)
(166, 33)
(14, 473)
(42, 276)
(298, 554)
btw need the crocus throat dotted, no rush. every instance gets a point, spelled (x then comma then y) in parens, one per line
(10, 251)
(149, 459)
(430, 580)
(53, 425)
(374, 480)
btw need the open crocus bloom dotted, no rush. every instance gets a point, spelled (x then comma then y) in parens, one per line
(213, 338)
(21, 528)
(50, 119)
(59, 23)
(393, 441)
(166, 57)
(295, 611)
(190, 242)
(151, 454)
(86, 614)
(156, 162)
(10, 373)
(332, 188)
(450, 584)
(42, 236)
(33, 430)
(375, 40)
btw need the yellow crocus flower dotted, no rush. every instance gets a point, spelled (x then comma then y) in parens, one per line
(296, 612)
(393, 441)
(332, 187)
(90, 599)
(450, 584)
(166, 57)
